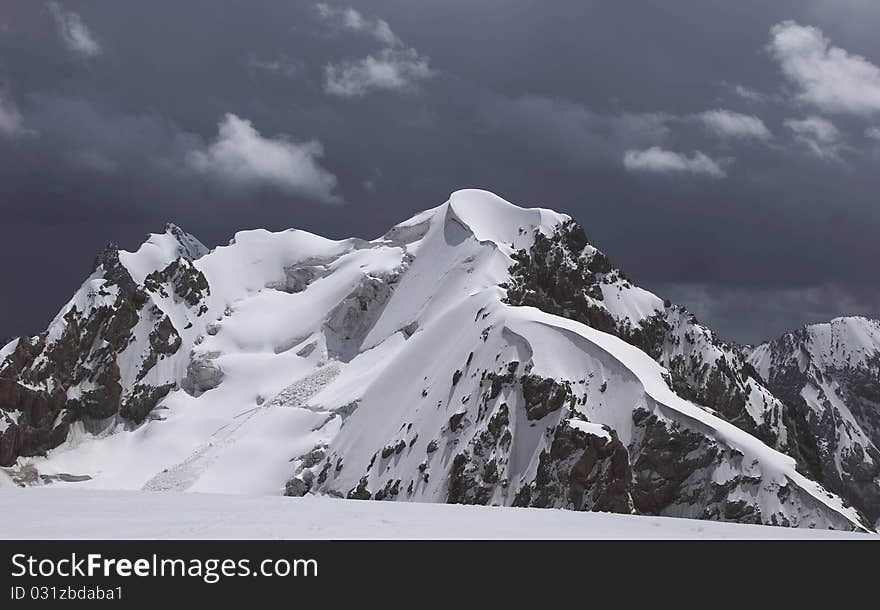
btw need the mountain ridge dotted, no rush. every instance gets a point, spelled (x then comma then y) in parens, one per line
(310, 349)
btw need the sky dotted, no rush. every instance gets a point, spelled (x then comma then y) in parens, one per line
(725, 155)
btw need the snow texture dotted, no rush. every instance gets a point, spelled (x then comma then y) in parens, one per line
(103, 515)
(366, 368)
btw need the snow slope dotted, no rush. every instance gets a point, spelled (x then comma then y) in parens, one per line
(108, 515)
(391, 369)
(831, 374)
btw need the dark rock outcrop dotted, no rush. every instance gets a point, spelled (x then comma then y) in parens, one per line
(563, 275)
(71, 371)
(581, 471)
(840, 446)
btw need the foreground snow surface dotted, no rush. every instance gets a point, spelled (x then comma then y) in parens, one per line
(95, 514)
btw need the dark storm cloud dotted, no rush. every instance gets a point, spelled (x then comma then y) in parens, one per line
(749, 192)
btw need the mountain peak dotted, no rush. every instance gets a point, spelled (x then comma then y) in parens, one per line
(192, 248)
(852, 322)
(844, 340)
(493, 219)
(160, 249)
(480, 352)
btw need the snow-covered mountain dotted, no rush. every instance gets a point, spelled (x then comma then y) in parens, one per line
(478, 353)
(829, 374)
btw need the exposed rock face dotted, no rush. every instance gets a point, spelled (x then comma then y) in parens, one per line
(398, 370)
(73, 365)
(349, 322)
(304, 477)
(164, 340)
(202, 374)
(562, 274)
(680, 472)
(187, 283)
(670, 468)
(829, 375)
(482, 468)
(142, 400)
(188, 247)
(32, 422)
(582, 470)
(543, 396)
(667, 457)
(298, 277)
(114, 272)
(73, 371)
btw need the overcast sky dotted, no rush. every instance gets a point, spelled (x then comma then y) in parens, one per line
(724, 154)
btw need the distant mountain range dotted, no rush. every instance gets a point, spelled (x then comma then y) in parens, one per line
(477, 353)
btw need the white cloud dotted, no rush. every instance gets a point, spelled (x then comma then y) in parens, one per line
(394, 68)
(391, 69)
(241, 156)
(350, 19)
(11, 121)
(73, 31)
(750, 95)
(817, 134)
(827, 77)
(658, 160)
(725, 123)
(873, 133)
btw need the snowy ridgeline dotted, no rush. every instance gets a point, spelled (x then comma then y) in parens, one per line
(478, 353)
(108, 515)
